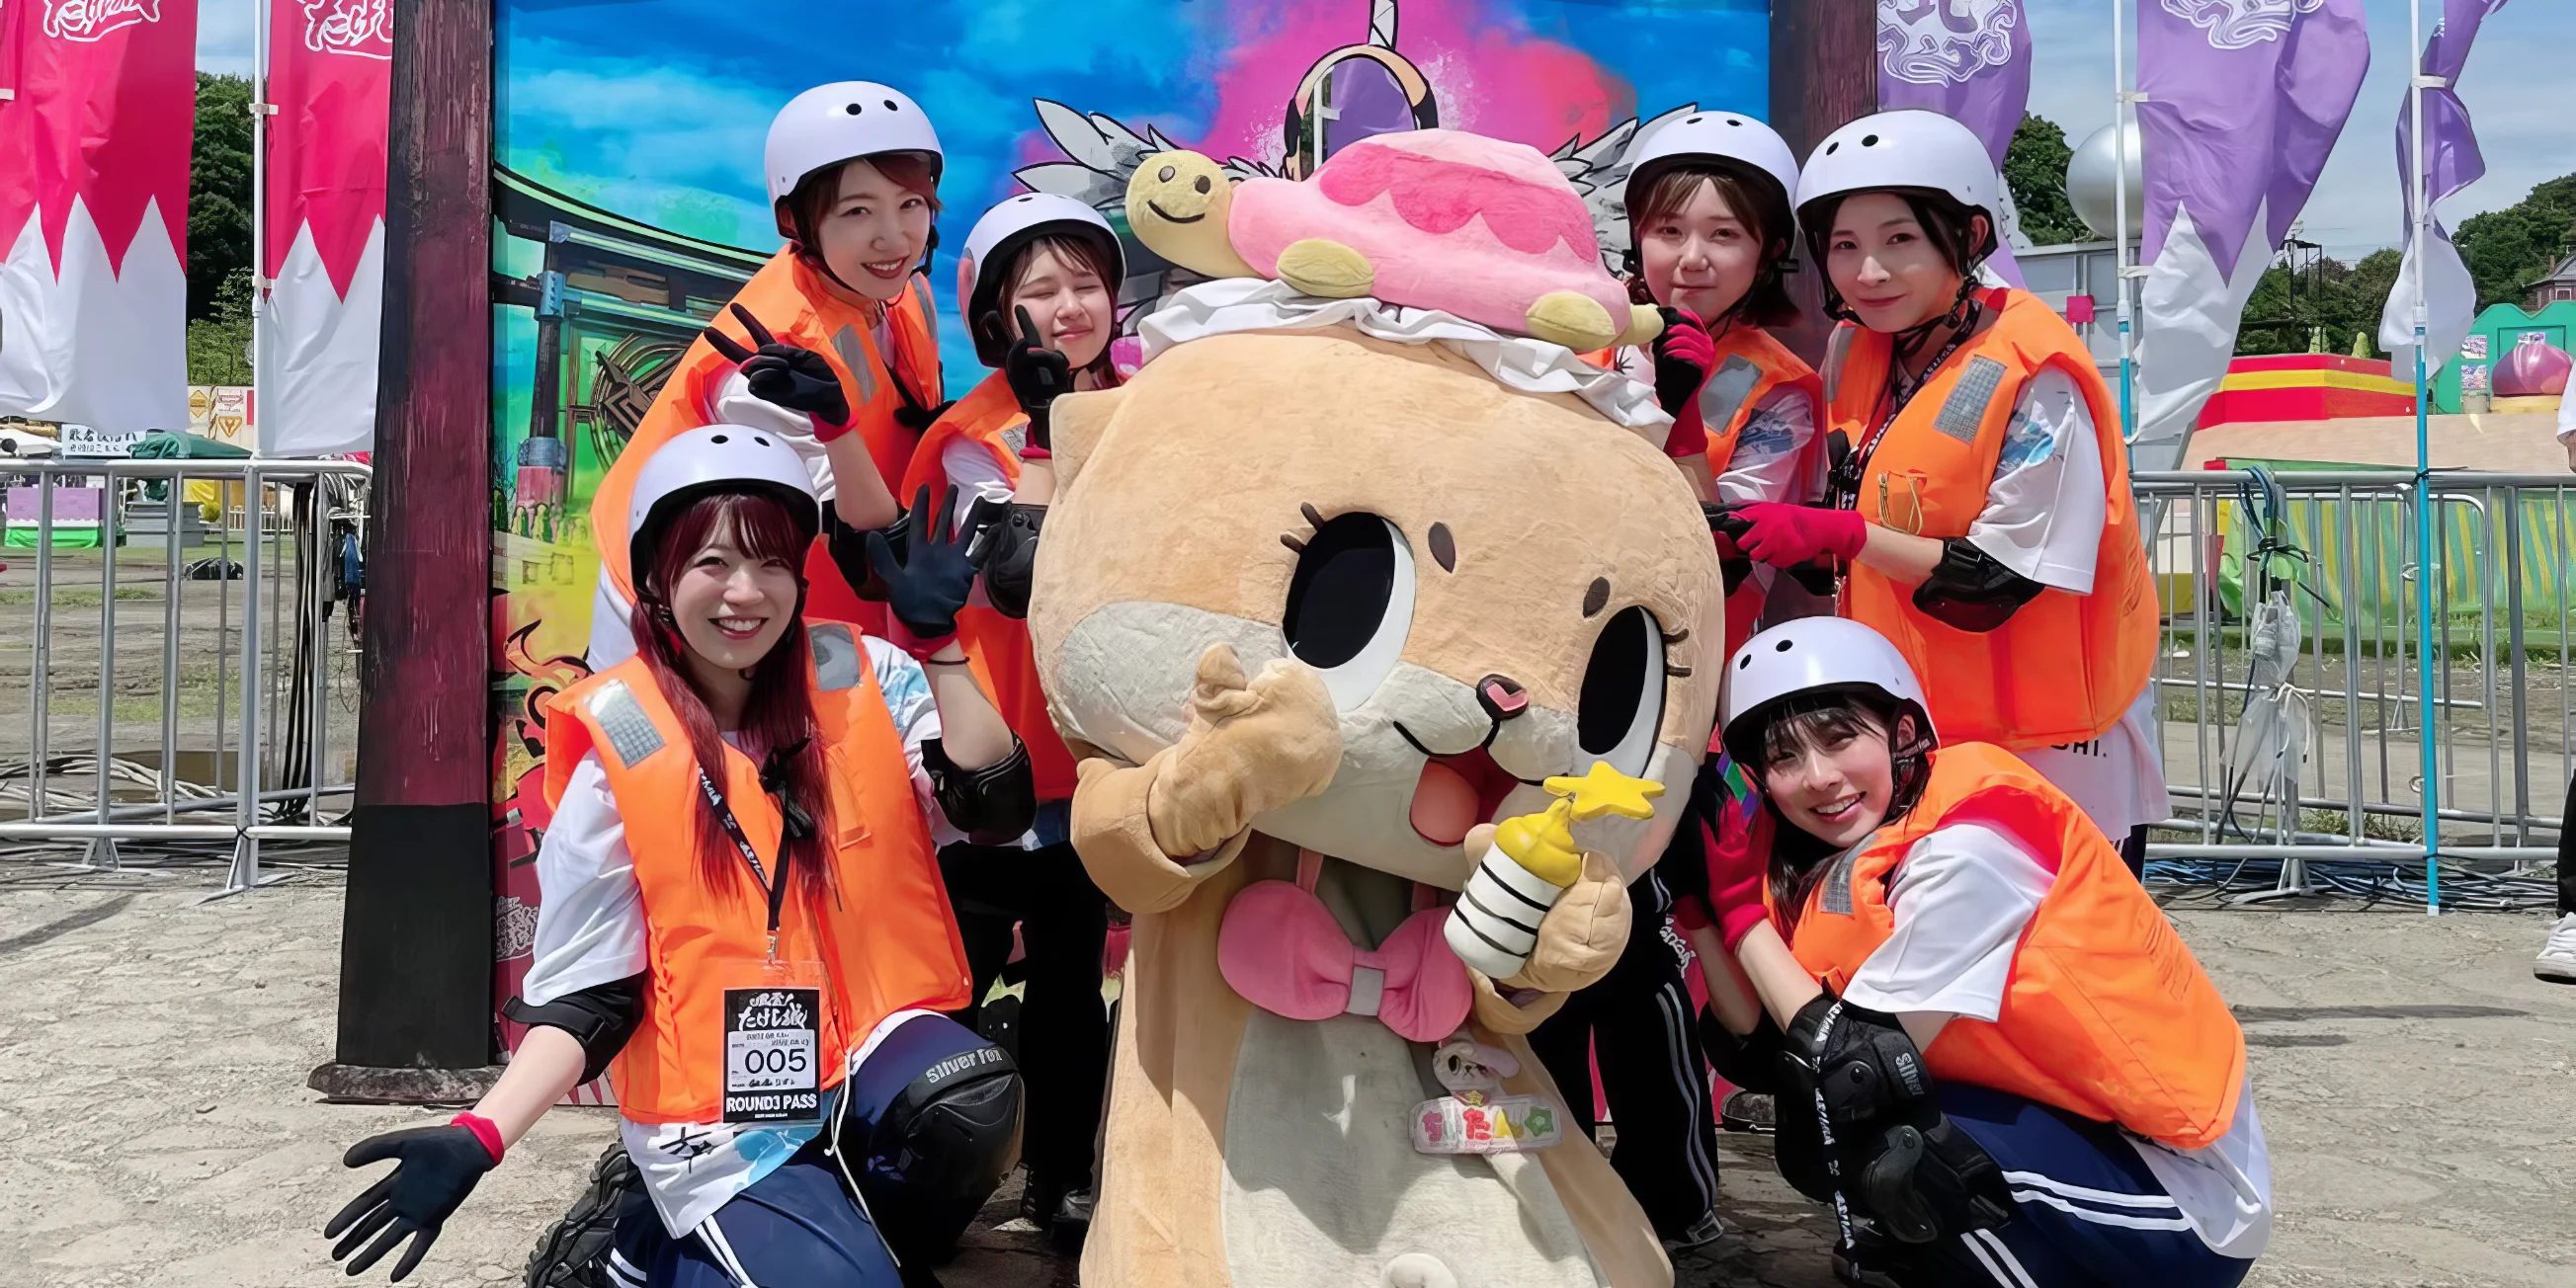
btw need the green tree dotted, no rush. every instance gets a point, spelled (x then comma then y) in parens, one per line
(219, 197)
(219, 344)
(2035, 168)
(2287, 310)
(2510, 248)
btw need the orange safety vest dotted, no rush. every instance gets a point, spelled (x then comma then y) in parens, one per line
(889, 941)
(2106, 1014)
(789, 298)
(1751, 366)
(1001, 655)
(2065, 667)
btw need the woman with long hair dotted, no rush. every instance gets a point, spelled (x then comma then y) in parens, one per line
(1991, 1053)
(1978, 497)
(1038, 281)
(832, 347)
(743, 923)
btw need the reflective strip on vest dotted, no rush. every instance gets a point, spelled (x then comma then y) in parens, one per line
(2105, 1012)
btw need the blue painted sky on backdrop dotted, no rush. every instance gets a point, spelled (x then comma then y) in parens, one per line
(2514, 89)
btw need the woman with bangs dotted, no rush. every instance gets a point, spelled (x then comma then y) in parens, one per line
(743, 923)
(832, 347)
(1039, 282)
(1992, 1055)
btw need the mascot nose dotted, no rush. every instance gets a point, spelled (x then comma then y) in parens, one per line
(1502, 697)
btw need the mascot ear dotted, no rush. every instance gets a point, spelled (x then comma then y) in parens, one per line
(1078, 421)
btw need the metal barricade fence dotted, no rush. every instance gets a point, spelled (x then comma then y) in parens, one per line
(248, 733)
(2286, 687)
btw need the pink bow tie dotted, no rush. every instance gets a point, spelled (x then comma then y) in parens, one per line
(1281, 949)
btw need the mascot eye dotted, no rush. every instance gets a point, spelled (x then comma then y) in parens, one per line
(1350, 604)
(1623, 693)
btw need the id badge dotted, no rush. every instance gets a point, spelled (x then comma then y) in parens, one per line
(773, 1043)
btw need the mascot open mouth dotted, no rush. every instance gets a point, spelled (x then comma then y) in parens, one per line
(1456, 793)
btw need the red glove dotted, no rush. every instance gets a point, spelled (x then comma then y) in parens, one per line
(1783, 535)
(1737, 846)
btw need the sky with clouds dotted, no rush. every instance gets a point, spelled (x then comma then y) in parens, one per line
(708, 115)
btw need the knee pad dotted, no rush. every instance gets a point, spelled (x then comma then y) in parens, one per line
(930, 1127)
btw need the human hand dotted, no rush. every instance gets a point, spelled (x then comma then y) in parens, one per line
(785, 375)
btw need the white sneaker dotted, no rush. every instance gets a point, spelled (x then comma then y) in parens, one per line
(2557, 960)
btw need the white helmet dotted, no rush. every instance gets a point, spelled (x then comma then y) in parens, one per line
(1723, 138)
(1909, 149)
(713, 458)
(1812, 655)
(1010, 224)
(833, 123)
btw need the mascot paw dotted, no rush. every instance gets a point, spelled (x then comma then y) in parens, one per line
(1581, 937)
(1327, 269)
(1572, 319)
(1252, 747)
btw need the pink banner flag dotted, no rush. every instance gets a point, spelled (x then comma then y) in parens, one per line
(97, 110)
(323, 230)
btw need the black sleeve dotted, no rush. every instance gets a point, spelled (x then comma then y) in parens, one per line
(600, 1017)
(992, 805)
(849, 550)
(1970, 591)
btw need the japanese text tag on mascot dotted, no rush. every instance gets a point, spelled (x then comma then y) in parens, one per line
(1363, 561)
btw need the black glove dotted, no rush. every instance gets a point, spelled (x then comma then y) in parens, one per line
(1037, 374)
(1009, 556)
(787, 376)
(434, 1169)
(1683, 354)
(928, 584)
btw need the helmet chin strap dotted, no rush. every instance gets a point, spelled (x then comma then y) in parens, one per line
(1961, 317)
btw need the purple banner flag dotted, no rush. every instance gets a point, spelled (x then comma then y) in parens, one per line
(1969, 60)
(2451, 162)
(2451, 157)
(2241, 102)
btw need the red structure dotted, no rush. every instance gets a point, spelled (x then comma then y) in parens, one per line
(2306, 386)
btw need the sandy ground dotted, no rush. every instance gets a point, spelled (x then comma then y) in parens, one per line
(2415, 1080)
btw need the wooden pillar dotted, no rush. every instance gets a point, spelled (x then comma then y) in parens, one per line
(1824, 73)
(416, 934)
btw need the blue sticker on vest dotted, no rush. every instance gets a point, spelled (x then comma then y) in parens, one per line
(837, 658)
(1725, 392)
(630, 732)
(1965, 409)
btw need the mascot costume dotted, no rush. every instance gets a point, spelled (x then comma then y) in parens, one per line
(1362, 562)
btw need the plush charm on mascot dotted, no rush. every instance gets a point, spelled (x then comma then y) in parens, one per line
(1334, 583)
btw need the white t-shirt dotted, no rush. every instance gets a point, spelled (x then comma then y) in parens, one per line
(591, 931)
(1961, 898)
(2043, 519)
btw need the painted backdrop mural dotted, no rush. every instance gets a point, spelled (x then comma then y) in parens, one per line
(628, 191)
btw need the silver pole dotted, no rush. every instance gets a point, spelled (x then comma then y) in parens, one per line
(102, 851)
(2121, 97)
(245, 873)
(259, 283)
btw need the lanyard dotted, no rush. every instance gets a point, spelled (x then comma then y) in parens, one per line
(776, 890)
(1844, 491)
